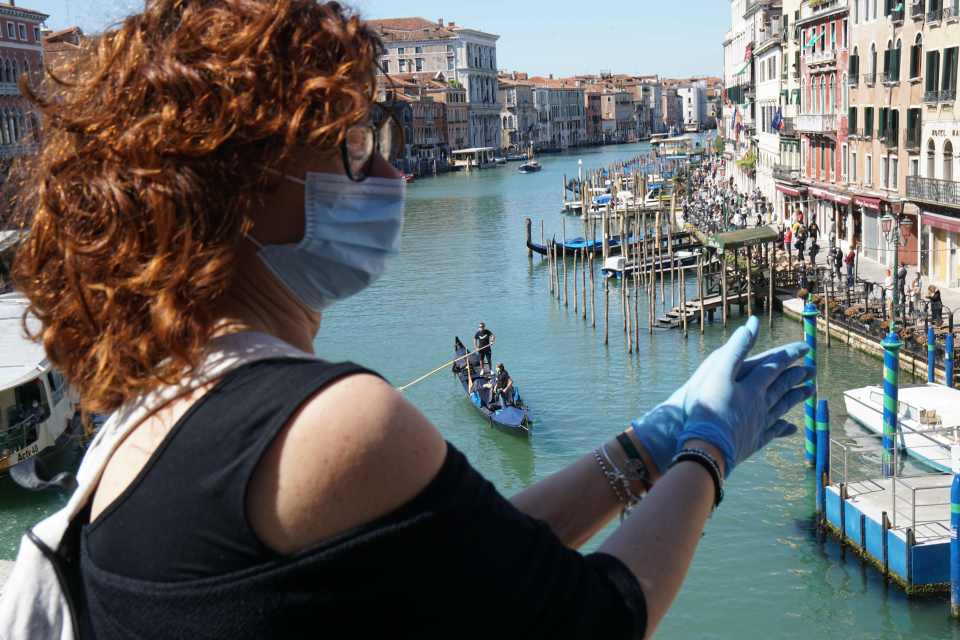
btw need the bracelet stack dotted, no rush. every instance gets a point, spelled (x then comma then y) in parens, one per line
(618, 480)
(706, 461)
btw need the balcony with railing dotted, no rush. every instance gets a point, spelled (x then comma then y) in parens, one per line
(935, 15)
(9, 89)
(818, 58)
(896, 15)
(854, 80)
(950, 13)
(889, 138)
(933, 190)
(786, 172)
(917, 9)
(817, 123)
(948, 95)
(870, 79)
(931, 96)
(814, 8)
(8, 151)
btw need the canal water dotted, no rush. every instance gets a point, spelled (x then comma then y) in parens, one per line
(761, 570)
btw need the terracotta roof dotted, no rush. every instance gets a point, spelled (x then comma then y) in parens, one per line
(407, 29)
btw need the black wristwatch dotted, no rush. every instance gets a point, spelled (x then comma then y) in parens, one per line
(636, 467)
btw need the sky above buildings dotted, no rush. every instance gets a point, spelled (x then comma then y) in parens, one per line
(673, 38)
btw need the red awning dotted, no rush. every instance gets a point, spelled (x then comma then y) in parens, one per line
(829, 195)
(788, 190)
(869, 203)
(946, 223)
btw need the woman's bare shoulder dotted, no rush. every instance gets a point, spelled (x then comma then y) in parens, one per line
(355, 451)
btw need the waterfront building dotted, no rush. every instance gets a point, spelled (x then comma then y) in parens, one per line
(452, 94)
(693, 100)
(765, 23)
(561, 113)
(517, 112)
(933, 181)
(21, 52)
(594, 117)
(738, 111)
(616, 116)
(885, 76)
(468, 56)
(789, 191)
(671, 109)
(822, 123)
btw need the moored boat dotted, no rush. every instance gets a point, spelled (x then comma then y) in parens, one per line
(38, 411)
(618, 266)
(928, 416)
(477, 386)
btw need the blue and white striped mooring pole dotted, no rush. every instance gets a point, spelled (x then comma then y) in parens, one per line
(955, 533)
(891, 372)
(810, 336)
(823, 454)
(931, 354)
(948, 360)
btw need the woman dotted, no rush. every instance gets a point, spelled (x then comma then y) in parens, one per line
(936, 305)
(216, 180)
(916, 295)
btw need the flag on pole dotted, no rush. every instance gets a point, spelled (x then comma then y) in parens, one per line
(777, 122)
(813, 40)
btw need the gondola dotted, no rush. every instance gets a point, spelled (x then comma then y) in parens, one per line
(576, 244)
(515, 419)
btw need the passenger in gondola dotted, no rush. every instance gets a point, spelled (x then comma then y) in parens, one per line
(483, 341)
(502, 386)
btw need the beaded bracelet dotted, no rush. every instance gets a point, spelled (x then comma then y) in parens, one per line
(706, 461)
(617, 476)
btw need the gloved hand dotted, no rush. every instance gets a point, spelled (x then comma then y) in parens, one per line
(737, 412)
(659, 429)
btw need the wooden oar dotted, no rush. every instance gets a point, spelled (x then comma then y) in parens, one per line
(442, 367)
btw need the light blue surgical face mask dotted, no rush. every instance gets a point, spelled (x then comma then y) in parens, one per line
(350, 230)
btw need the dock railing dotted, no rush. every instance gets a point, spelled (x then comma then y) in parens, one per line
(919, 501)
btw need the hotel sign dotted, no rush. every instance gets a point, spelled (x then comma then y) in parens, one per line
(946, 132)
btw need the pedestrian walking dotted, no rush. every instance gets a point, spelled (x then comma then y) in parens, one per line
(849, 261)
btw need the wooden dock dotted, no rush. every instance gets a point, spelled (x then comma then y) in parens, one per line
(674, 317)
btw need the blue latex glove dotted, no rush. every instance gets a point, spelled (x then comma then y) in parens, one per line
(660, 428)
(741, 413)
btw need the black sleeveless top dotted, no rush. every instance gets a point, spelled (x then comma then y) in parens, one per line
(175, 556)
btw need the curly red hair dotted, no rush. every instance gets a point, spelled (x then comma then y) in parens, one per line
(152, 155)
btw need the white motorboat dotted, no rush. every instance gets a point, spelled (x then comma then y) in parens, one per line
(37, 407)
(928, 416)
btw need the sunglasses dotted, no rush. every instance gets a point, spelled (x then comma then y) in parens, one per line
(382, 134)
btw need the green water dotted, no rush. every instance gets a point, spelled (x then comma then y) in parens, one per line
(761, 571)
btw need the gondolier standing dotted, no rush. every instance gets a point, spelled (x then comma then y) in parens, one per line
(483, 341)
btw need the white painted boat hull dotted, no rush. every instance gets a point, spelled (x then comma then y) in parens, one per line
(929, 444)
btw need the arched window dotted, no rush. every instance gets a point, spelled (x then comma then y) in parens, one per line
(897, 56)
(5, 128)
(888, 61)
(823, 86)
(846, 94)
(873, 62)
(931, 159)
(948, 160)
(832, 97)
(7, 71)
(916, 56)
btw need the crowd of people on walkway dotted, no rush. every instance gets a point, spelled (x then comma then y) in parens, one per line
(714, 204)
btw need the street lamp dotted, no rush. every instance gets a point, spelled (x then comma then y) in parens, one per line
(890, 225)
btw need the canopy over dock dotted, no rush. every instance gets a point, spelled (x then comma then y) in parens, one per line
(733, 240)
